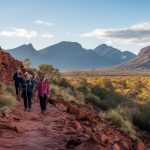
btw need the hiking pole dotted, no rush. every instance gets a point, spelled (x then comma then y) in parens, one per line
(26, 96)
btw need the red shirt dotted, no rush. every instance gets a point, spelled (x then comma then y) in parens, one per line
(42, 88)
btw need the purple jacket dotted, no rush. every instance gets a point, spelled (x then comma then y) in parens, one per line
(42, 88)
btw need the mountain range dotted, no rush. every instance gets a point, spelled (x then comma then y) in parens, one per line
(71, 55)
(140, 62)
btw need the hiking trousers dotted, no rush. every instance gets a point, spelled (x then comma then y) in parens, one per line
(17, 89)
(43, 101)
(27, 99)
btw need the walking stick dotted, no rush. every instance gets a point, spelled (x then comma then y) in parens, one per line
(26, 94)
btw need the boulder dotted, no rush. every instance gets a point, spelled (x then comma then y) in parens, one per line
(76, 125)
(140, 146)
(116, 147)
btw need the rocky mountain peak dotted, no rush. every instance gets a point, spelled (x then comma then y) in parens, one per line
(145, 51)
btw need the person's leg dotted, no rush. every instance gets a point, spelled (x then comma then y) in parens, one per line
(25, 100)
(44, 103)
(16, 87)
(41, 103)
(29, 100)
(19, 91)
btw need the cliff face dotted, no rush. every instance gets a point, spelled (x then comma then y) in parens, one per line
(8, 65)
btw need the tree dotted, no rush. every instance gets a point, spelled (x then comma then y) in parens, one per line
(46, 69)
(32, 70)
(26, 63)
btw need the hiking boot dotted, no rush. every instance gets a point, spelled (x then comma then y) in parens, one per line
(44, 112)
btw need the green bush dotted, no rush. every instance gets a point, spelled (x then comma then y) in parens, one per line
(120, 121)
(10, 89)
(93, 99)
(97, 90)
(5, 110)
(7, 101)
(2, 87)
(78, 95)
(141, 122)
(64, 83)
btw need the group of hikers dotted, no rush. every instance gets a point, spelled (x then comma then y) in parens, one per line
(30, 88)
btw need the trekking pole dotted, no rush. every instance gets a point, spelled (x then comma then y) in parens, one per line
(26, 95)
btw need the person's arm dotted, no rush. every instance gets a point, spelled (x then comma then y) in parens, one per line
(36, 89)
(22, 84)
(48, 89)
(14, 77)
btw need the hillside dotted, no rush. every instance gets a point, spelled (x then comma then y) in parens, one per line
(8, 66)
(140, 62)
(71, 55)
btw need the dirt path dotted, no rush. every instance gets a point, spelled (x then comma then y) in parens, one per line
(59, 130)
(38, 132)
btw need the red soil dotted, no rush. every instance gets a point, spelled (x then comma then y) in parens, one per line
(64, 127)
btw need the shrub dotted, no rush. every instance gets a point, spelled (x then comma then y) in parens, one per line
(93, 99)
(2, 87)
(96, 90)
(141, 122)
(78, 95)
(4, 110)
(120, 121)
(64, 83)
(10, 89)
(7, 101)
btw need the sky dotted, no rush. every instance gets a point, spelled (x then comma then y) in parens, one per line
(124, 24)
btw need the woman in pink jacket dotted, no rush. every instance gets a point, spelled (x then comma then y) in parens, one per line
(42, 89)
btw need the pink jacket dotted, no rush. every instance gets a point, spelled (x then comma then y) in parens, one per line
(42, 88)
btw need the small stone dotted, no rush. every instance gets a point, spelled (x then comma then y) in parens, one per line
(103, 138)
(116, 147)
(76, 125)
(124, 145)
(20, 129)
(140, 146)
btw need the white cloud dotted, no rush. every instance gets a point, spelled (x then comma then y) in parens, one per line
(47, 35)
(18, 32)
(139, 33)
(44, 23)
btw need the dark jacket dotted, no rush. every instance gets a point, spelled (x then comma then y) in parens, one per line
(17, 78)
(27, 85)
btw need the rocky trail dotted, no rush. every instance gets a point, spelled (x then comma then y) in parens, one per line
(65, 126)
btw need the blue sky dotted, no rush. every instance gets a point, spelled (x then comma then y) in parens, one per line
(124, 24)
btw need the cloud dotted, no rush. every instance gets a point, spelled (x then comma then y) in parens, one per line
(44, 23)
(18, 32)
(139, 33)
(47, 35)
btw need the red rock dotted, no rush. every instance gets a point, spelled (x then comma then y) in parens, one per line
(103, 138)
(116, 147)
(124, 145)
(76, 125)
(140, 146)
(72, 109)
(91, 144)
(20, 129)
(8, 65)
(81, 115)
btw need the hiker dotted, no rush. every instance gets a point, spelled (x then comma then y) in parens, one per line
(34, 94)
(42, 89)
(27, 88)
(18, 80)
